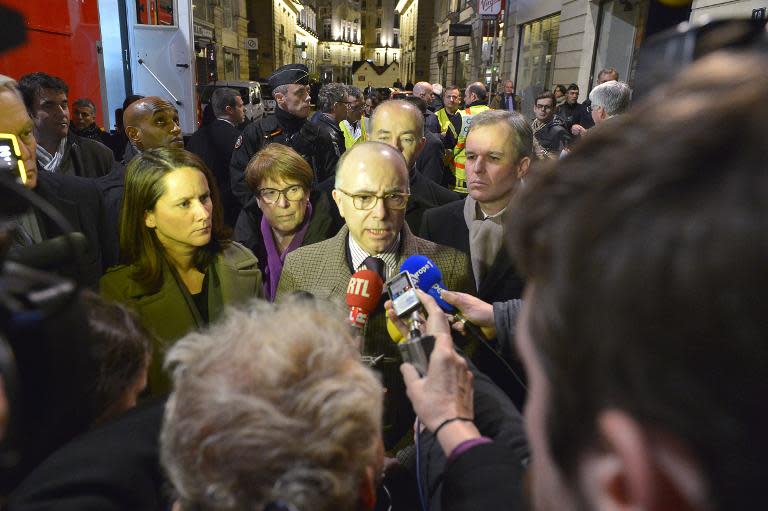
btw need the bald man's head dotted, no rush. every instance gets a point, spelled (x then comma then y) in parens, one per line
(152, 122)
(371, 194)
(401, 125)
(475, 92)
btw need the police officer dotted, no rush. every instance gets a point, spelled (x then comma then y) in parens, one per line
(476, 100)
(288, 126)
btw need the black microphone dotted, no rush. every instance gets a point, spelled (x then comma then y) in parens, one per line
(52, 253)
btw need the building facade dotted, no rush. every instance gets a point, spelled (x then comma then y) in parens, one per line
(366, 72)
(220, 39)
(416, 28)
(340, 39)
(380, 26)
(285, 32)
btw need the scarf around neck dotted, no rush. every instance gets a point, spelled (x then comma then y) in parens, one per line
(274, 267)
(486, 235)
(51, 162)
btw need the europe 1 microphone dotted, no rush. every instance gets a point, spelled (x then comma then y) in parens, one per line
(429, 278)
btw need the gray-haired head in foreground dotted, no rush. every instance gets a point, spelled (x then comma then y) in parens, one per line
(611, 96)
(222, 98)
(272, 404)
(329, 95)
(516, 122)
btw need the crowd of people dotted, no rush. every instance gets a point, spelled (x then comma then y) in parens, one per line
(599, 271)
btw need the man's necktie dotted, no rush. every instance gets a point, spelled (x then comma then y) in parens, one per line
(377, 265)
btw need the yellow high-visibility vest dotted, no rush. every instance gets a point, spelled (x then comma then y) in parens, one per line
(349, 139)
(459, 156)
(445, 122)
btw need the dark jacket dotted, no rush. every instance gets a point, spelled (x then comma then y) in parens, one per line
(111, 187)
(500, 101)
(170, 313)
(425, 195)
(115, 467)
(322, 225)
(81, 204)
(431, 123)
(445, 225)
(309, 141)
(496, 418)
(485, 477)
(214, 144)
(430, 161)
(331, 128)
(85, 157)
(554, 136)
(576, 113)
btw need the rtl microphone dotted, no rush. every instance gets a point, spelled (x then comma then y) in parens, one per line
(363, 294)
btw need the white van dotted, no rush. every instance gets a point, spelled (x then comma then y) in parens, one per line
(249, 90)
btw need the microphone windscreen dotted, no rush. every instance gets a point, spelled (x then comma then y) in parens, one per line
(424, 272)
(434, 292)
(393, 332)
(364, 290)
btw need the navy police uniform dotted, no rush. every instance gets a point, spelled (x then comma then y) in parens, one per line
(283, 128)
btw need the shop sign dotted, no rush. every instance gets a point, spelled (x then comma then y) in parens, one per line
(202, 31)
(489, 7)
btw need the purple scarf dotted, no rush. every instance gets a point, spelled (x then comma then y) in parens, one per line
(275, 260)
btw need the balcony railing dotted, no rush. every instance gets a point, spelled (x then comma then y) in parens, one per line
(307, 28)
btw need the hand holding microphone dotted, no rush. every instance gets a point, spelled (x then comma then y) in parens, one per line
(471, 309)
(428, 277)
(445, 391)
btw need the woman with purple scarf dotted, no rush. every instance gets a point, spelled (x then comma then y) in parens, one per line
(283, 215)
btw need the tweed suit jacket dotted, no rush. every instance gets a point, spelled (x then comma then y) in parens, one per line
(323, 270)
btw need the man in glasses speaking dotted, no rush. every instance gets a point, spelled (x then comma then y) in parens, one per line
(371, 192)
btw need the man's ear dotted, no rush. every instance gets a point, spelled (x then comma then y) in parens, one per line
(419, 149)
(337, 199)
(523, 166)
(133, 134)
(636, 468)
(279, 97)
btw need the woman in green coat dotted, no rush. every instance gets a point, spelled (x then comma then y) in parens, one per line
(180, 268)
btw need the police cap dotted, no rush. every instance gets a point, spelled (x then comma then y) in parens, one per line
(291, 73)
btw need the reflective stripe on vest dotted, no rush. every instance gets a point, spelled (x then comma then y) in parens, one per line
(459, 156)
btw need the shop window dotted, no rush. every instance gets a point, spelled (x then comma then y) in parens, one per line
(231, 66)
(619, 34)
(155, 12)
(536, 59)
(461, 67)
(202, 10)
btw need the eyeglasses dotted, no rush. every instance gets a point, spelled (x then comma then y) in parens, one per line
(366, 201)
(544, 107)
(292, 193)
